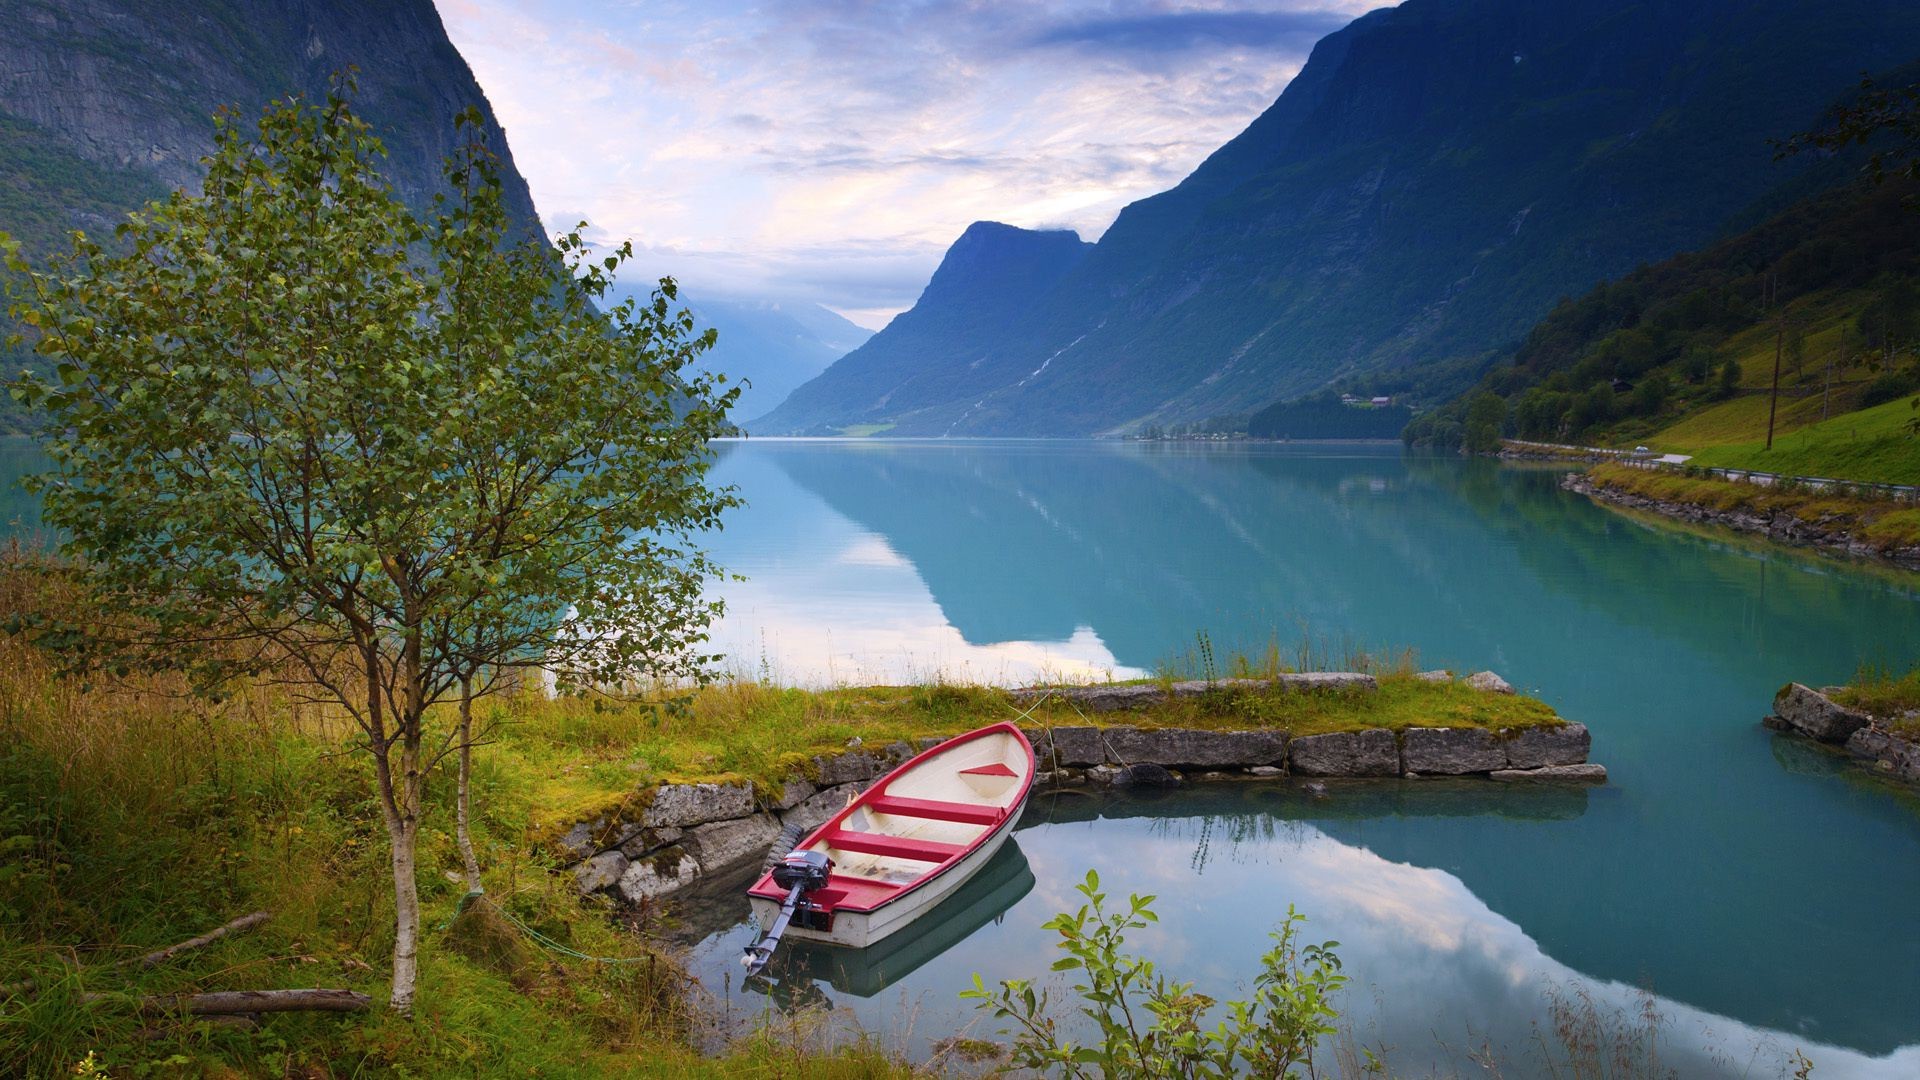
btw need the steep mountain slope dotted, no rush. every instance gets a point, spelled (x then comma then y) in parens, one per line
(1680, 354)
(105, 104)
(912, 372)
(1434, 179)
(772, 346)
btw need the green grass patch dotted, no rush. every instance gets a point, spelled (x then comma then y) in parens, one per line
(1873, 445)
(1880, 523)
(1887, 696)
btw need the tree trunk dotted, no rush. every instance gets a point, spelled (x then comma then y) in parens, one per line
(406, 916)
(461, 802)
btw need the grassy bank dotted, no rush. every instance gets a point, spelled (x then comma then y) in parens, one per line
(1893, 699)
(1873, 445)
(1879, 523)
(135, 816)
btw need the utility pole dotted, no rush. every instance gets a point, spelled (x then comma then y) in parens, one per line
(1779, 339)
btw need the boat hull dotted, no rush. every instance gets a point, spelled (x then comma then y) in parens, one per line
(860, 929)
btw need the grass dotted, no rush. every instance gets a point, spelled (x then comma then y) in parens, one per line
(1873, 445)
(1888, 696)
(1881, 524)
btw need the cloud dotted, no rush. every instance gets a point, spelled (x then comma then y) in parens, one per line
(830, 151)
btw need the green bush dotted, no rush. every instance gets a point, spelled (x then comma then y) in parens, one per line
(1150, 1026)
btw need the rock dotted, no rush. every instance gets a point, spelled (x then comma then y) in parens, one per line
(668, 871)
(600, 872)
(1890, 753)
(1103, 774)
(1557, 774)
(1812, 713)
(587, 837)
(1196, 687)
(847, 768)
(1346, 753)
(1489, 682)
(1078, 747)
(643, 840)
(854, 743)
(1200, 749)
(1043, 778)
(928, 742)
(1266, 770)
(697, 804)
(1214, 776)
(1317, 789)
(1326, 680)
(1452, 751)
(1095, 698)
(899, 751)
(725, 843)
(793, 793)
(1435, 676)
(820, 806)
(1069, 777)
(1539, 747)
(1146, 776)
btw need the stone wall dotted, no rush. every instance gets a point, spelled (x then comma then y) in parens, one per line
(1802, 710)
(687, 832)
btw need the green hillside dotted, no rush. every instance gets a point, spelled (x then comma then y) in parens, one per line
(1680, 356)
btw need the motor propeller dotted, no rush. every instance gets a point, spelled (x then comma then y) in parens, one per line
(800, 873)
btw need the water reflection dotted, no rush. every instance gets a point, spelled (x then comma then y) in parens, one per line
(1439, 976)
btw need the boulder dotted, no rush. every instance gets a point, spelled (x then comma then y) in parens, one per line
(1539, 747)
(1374, 752)
(1489, 682)
(1814, 714)
(725, 843)
(1103, 774)
(1326, 680)
(1266, 770)
(1077, 747)
(587, 837)
(1198, 749)
(600, 872)
(1146, 776)
(697, 804)
(1435, 676)
(1554, 774)
(820, 806)
(1452, 751)
(667, 871)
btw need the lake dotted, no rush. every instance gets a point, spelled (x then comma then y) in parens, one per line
(1751, 890)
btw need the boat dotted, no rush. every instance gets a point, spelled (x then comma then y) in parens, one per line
(1004, 881)
(907, 842)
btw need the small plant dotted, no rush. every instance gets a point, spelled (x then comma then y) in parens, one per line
(1150, 1026)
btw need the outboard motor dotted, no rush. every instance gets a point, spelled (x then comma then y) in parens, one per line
(800, 873)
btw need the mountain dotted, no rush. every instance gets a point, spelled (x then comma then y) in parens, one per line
(1680, 354)
(771, 346)
(912, 372)
(106, 104)
(1436, 177)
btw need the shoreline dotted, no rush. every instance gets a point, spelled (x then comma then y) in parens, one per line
(1837, 530)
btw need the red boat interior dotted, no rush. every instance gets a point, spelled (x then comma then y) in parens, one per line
(917, 820)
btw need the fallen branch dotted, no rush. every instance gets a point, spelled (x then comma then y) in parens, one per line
(244, 922)
(228, 1002)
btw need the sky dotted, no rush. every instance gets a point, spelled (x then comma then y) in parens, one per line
(830, 152)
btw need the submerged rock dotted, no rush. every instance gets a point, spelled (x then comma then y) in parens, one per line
(1146, 776)
(1558, 774)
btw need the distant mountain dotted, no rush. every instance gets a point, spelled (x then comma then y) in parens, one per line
(772, 346)
(912, 372)
(1436, 177)
(105, 104)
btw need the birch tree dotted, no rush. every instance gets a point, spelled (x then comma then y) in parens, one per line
(292, 420)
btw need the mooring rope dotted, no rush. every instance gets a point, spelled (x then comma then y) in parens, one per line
(535, 936)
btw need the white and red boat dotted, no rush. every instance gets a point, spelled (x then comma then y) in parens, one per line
(900, 847)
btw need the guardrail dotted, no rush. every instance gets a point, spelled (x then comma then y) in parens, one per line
(1906, 493)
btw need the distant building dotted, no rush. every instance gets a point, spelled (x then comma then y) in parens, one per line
(1381, 401)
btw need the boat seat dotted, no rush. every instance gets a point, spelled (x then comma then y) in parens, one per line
(894, 847)
(937, 809)
(995, 769)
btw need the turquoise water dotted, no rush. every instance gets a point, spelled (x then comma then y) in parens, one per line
(1752, 891)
